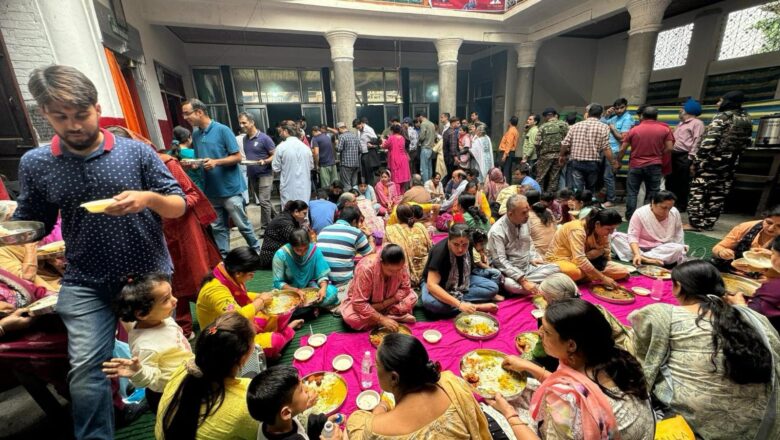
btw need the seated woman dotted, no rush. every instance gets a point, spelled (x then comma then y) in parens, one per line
(278, 231)
(435, 188)
(380, 293)
(204, 399)
(481, 201)
(495, 184)
(448, 284)
(431, 405)
(386, 192)
(598, 390)
(412, 236)
(766, 300)
(224, 290)
(580, 204)
(367, 191)
(474, 218)
(704, 357)
(581, 248)
(541, 224)
(655, 234)
(756, 234)
(300, 264)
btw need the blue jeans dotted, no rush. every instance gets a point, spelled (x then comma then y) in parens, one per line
(585, 174)
(651, 175)
(491, 273)
(90, 322)
(232, 208)
(425, 164)
(480, 290)
(609, 178)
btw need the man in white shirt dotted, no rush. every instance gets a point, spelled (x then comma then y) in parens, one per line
(294, 161)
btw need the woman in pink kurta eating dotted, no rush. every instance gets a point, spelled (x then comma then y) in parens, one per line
(387, 194)
(397, 159)
(380, 293)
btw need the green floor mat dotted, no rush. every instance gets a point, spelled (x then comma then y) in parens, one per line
(143, 428)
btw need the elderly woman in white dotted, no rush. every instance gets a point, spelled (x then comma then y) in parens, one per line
(655, 234)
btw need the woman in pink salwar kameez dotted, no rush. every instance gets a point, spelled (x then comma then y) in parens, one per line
(380, 293)
(397, 159)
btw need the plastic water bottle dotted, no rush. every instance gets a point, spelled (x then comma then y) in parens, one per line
(657, 290)
(327, 430)
(366, 380)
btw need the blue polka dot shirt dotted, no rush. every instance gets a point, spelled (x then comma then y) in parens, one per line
(99, 248)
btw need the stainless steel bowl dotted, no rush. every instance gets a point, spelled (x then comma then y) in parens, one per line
(21, 232)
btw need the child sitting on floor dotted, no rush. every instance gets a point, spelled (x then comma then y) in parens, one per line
(275, 397)
(479, 257)
(157, 343)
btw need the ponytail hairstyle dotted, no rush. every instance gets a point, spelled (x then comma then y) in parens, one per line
(405, 214)
(392, 254)
(604, 217)
(580, 321)
(418, 212)
(746, 359)
(240, 259)
(406, 356)
(468, 203)
(136, 296)
(219, 351)
(180, 135)
(585, 197)
(478, 236)
(539, 207)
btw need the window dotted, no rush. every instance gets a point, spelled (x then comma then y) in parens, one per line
(424, 86)
(369, 87)
(279, 86)
(208, 86)
(392, 93)
(671, 49)
(245, 83)
(751, 31)
(312, 85)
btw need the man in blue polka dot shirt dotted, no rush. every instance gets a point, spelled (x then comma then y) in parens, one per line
(85, 163)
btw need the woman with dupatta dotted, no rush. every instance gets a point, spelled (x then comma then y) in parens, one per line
(386, 191)
(495, 183)
(397, 159)
(193, 251)
(224, 290)
(412, 236)
(300, 264)
(598, 391)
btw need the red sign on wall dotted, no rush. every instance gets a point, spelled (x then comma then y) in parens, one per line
(470, 5)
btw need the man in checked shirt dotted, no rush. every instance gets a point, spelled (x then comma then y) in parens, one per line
(583, 144)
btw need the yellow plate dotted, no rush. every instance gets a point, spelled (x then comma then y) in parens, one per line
(282, 302)
(331, 390)
(52, 249)
(98, 206)
(736, 283)
(477, 366)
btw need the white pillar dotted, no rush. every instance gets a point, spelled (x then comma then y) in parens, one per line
(646, 17)
(447, 49)
(342, 53)
(526, 63)
(73, 32)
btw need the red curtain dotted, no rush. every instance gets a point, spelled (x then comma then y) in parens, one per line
(133, 115)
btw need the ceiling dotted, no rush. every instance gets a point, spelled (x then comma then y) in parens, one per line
(622, 21)
(277, 39)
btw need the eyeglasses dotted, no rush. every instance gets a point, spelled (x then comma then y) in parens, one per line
(187, 113)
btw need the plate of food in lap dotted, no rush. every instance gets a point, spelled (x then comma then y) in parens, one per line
(331, 391)
(526, 344)
(378, 334)
(478, 325)
(20, 232)
(483, 370)
(736, 283)
(282, 301)
(52, 250)
(618, 295)
(655, 272)
(311, 295)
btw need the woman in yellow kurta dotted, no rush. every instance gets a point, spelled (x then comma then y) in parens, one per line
(413, 238)
(225, 291)
(581, 248)
(208, 384)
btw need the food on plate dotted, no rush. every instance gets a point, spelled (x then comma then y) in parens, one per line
(331, 391)
(483, 370)
(655, 272)
(736, 283)
(476, 325)
(619, 295)
(44, 306)
(98, 206)
(282, 302)
(311, 295)
(56, 247)
(525, 343)
(378, 334)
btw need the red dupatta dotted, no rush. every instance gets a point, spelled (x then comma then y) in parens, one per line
(237, 290)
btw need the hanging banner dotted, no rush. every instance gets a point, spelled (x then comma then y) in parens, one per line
(470, 5)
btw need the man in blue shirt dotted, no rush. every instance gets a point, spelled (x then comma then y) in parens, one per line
(259, 146)
(324, 156)
(84, 163)
(223, 183)
(619, 121)
(322, 212)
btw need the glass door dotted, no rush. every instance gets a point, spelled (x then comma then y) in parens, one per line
(260, 113)
(422, 108)
(314, 114)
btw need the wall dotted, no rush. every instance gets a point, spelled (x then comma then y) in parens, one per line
(28, 48)
(709, 21)
(564, 74)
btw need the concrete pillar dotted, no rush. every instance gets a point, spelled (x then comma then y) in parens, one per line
(447, 49)
(342, 52)
(646, 17)
(701, 52)
(526, 62)
(81, 49)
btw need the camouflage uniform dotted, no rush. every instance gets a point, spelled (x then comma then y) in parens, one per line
(548, 144)
(716, 160)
